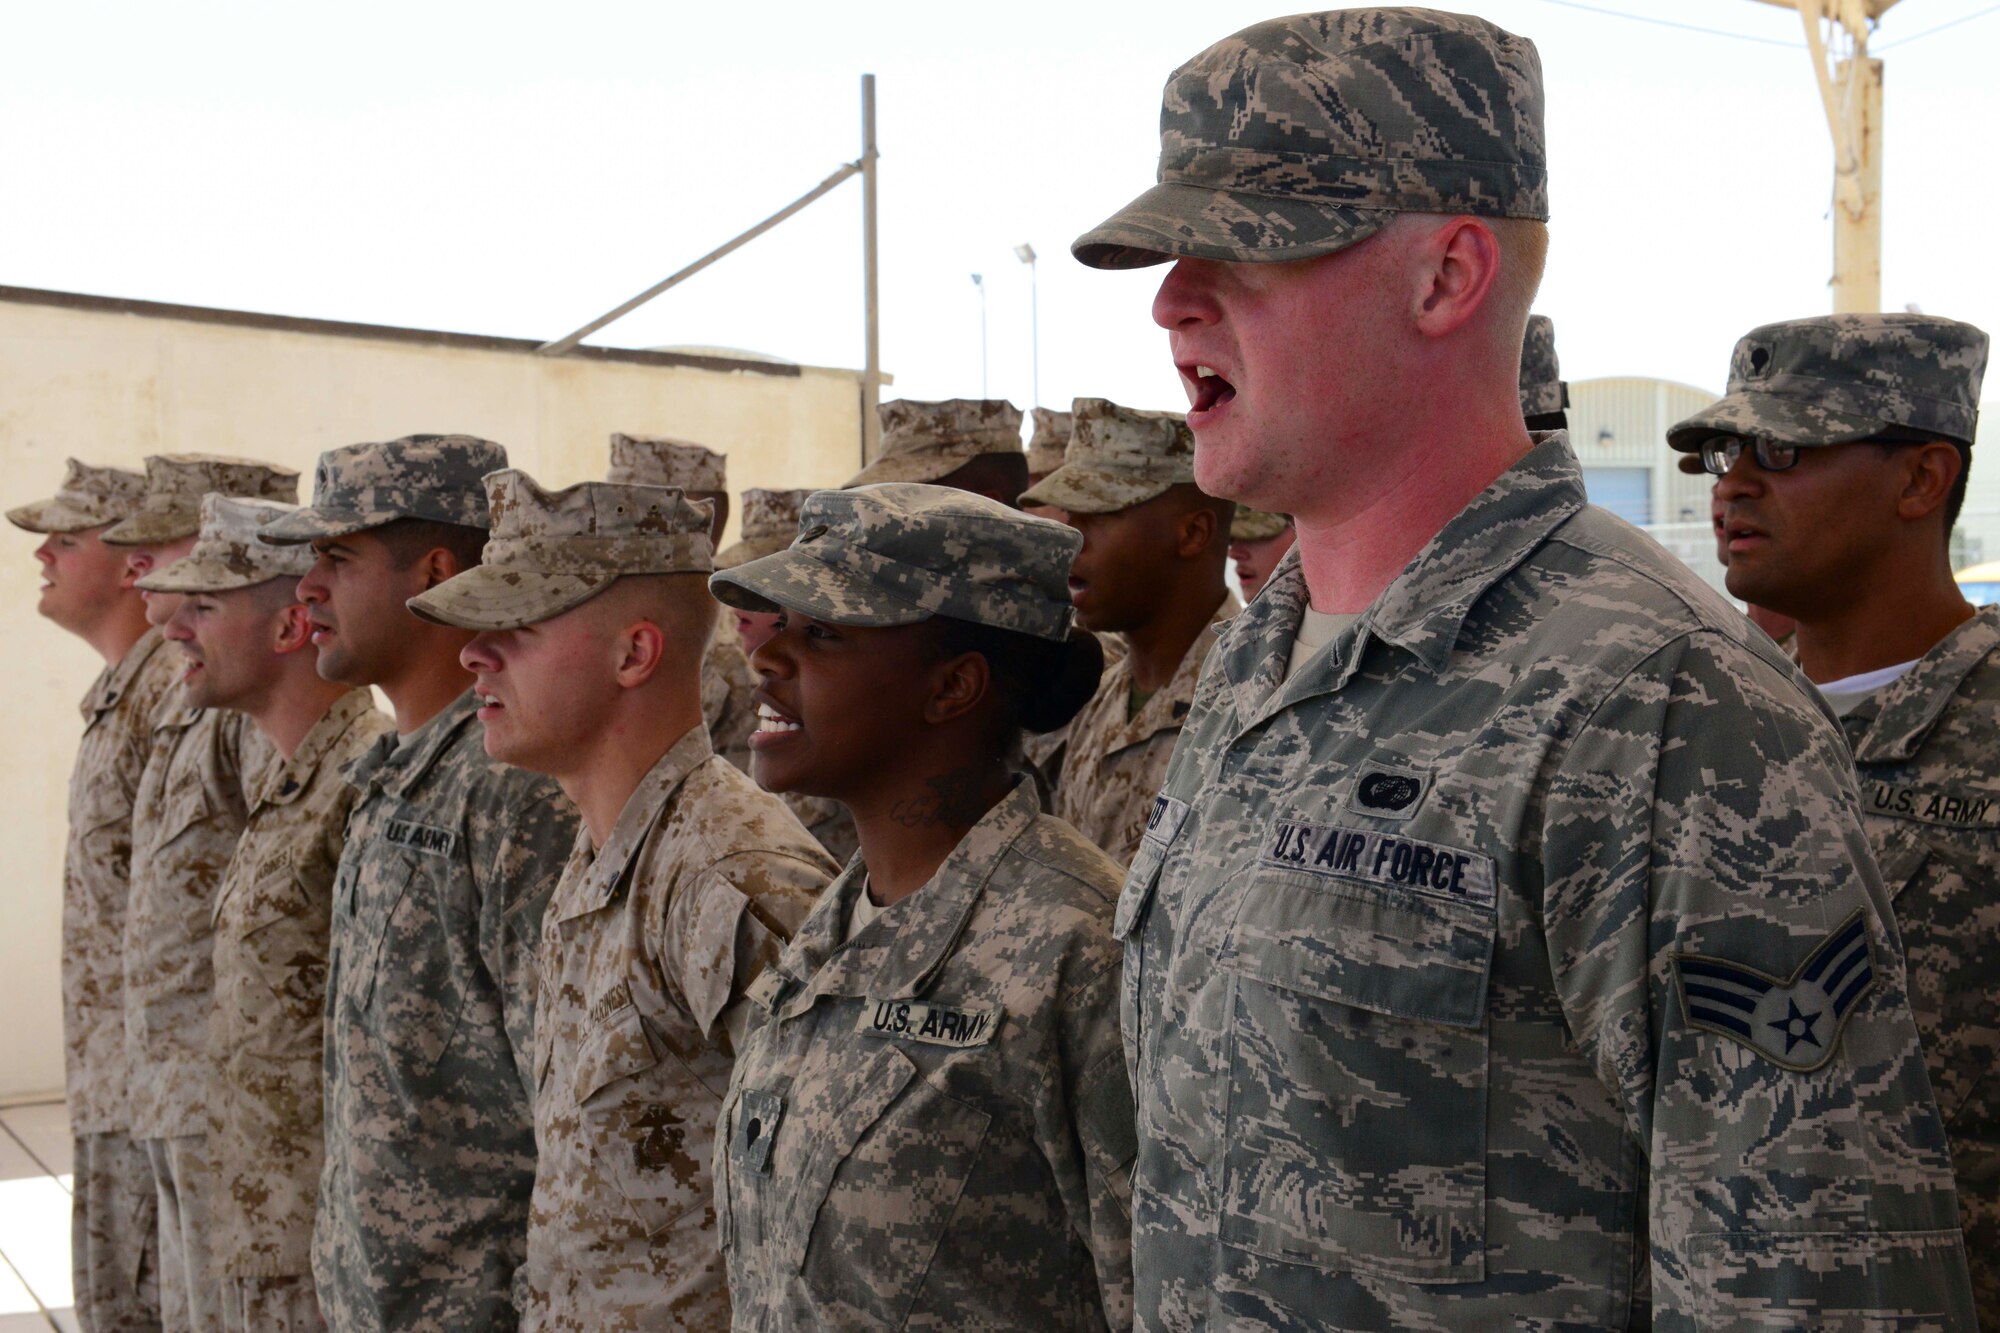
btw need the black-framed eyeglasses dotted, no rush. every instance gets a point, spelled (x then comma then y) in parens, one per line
(1720, 454)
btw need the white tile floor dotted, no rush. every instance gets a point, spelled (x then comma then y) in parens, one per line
(34, 1219)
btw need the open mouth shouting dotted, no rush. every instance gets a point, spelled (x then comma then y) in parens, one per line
(1209, 392)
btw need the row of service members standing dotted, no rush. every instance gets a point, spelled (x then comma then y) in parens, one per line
(1502, 943)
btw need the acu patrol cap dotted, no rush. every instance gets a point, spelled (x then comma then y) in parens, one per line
(362, 486)
(175, 484)
(1543, 391)
(552, 551)
(660, 460)
(770, 520)
(1254, 525)
(227, 554)
(901, 552)
(1836, 379)
(1048, 440)
(1300, 136)
(89, 497)
(1118, 457)
(930, 441)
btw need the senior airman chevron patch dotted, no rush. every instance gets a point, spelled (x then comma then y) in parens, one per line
(1794, 1022)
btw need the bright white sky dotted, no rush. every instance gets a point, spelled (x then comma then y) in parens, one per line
(519, 169)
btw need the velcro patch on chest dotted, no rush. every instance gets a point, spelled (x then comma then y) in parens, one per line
(1369, 856)
(1164, 820)
(1934, 805)
(420, 837)
(275, 863)
(1382, 792)
(1792, 1021)
(931, 1024)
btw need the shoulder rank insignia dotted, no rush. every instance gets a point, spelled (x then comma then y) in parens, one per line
(1794, 1021)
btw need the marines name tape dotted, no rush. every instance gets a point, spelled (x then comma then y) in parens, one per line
(1794, 1021)
(1930, 805)
(1368, 856)
(932, 1024)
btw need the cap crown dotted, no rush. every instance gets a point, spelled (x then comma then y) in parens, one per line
(226, 552)
(660, 460)
(991, 424)
(175, 484)
(1049, 439)
(434, 477)
(1111, 438)
(595, 528)
(769, 514)
(90, 497)
(1916, 371)
(1254, 525)
(1542, 387)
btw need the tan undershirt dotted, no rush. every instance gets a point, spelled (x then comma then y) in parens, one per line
(1316, 630)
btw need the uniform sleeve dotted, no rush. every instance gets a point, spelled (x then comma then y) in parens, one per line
(1728, 962)
(1092, 1146)
(519, 851)
(730, 922)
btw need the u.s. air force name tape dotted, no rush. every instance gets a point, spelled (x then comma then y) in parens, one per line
(1367, 856)
(1931, 805)
(1795, 1021)
(932, 1024)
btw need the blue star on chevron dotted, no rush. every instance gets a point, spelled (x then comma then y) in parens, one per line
(1780, 1017)
(1796, 1026)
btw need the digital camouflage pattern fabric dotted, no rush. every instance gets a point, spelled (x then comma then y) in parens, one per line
(90, 497)
(1117, 759)
(272, 917)
(1930, 800)
(647, 947)
(661, 460)
(114, 1235)
(227, 554)
(1048, 437)
(362, 486)
(929, 441)
(727, 683)
(1542, 388)
(1117, 457)
(176, 483)
(930, 1124)
(898, 553)
(1300, 136)
(430, 1153)
(1485, 876)
(1834, 379)
(1254, 525)
(770, 521)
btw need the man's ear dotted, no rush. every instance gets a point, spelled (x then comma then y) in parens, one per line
(640, 648)
(1195, 532)
(960, 684)
(1928, 473)
(291, 629)
(438, 565)
(1456, 267)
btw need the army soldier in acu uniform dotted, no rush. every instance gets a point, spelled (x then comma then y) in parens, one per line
(930, 1124)
(592, 612)
(114, 1226)
(1150, 571)
(1525, 931)
(437, 908)
(250, 647)
(1841, 453)
(185, 824)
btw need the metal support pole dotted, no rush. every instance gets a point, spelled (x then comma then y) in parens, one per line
(871, 368)
(1857, 232)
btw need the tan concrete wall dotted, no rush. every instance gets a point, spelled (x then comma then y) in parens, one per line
(114, 387)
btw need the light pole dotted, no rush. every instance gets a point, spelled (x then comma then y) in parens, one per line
(1026, 254)
(979, 281)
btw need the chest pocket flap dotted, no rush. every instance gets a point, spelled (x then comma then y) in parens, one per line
(639, 1137)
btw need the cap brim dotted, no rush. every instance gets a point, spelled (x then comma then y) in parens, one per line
(313, 525)
(193, 575)
(1080, 490)
(495, 597)
(55, 516)
(791, 580)
(1174, 221)
(1765, 416)
(925, 467)
(152, 529)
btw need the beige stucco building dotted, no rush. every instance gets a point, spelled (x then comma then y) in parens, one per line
(112, 381)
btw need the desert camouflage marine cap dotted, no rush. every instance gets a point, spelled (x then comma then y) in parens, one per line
(554, 550)
(175, 484)
(770, 521)
(928, 441)
(362, 486)
(1118, 457)
(1048, 440)
(227, 554)
(1254, 525)
(1835, 379)
(901, 552)
(661, 460)
(90, 497)
(1542, 388)
(1300, 136)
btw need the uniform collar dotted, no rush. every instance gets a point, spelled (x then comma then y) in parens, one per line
(285, 779)
(635, 822)
(1892, 725)
(398, 763)
(900, 953)
(1167, 707)
(176, 711)
(115, 679)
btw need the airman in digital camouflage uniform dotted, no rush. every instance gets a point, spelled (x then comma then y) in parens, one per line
(1048, 437)
(685, 882)
(1150, 571)
(929, 1125)
(1841, 453)
(422, 1217)
(186, 820)
(1516, 959)
(114, 1225)
(250, 648)
(1544, 392)
(968, 444)
(1257, 542)
(702, 474)
(770, 521)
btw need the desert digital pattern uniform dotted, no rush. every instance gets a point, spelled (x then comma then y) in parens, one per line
(930, 1126)
(437, 903)
(928, 441)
